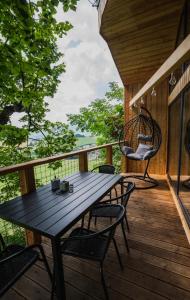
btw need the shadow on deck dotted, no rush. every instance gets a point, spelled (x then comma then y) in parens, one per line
(158, 266)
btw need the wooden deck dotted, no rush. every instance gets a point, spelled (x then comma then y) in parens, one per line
(158, 266)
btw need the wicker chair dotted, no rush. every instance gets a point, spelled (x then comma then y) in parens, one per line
(87, 244)
(105, 210)
(140, 140)
(15, 260)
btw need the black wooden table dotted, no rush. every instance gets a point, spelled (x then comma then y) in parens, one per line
(51, 215)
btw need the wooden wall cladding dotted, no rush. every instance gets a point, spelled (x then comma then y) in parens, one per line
(158, 106)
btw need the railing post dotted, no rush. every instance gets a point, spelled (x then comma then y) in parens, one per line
(123, 164)
(109, 155)
(83, 162)
(27, 185)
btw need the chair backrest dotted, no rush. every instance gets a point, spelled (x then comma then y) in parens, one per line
(106, 169)
(107, 232)
(129, 188)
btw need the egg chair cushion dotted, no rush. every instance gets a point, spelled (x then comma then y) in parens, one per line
(140, 152)
(149, 154)
(145, 138)
(127, 150)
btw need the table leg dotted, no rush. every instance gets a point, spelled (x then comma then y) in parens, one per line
(58, 270)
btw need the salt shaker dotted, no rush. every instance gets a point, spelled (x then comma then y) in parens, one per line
(71, 188)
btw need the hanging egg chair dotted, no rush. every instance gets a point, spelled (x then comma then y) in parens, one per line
(140, 140)
(186, 182)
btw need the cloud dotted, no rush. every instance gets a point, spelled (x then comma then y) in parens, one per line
(89, 65)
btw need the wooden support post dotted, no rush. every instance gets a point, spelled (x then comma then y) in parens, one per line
(123, 164)
(109, 154)
(83, 162)
(27, 185)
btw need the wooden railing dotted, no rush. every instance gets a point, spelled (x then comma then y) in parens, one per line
(27, 180)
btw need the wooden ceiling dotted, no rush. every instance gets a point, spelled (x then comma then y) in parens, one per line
(141, 34)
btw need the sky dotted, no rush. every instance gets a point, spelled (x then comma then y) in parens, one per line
(89, 64)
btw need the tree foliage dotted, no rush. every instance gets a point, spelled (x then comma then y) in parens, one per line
(30, 62)
(103, 117)
(30, 66)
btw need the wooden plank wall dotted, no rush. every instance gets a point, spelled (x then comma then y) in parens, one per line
(158, 106)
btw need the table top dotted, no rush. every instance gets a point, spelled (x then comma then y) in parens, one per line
(52, 215)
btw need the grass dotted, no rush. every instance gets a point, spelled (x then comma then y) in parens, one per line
(87, 140)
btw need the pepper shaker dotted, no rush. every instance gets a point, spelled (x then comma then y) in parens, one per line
(55, 184)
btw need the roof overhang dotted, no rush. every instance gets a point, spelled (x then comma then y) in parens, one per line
(141, 34)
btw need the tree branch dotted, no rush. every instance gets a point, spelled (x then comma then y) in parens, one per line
(7, 112)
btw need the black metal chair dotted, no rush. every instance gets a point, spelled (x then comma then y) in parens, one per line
(15, 260)
(105, 210)
(106, 169)
(87, 244)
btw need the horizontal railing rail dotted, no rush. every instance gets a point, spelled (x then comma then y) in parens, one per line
(37, 162)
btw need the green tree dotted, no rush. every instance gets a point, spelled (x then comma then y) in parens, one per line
(30, 62)
(103, 117)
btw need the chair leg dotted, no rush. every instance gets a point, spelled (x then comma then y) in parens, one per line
(117, 252)
(95, 221)
(82, 222)
(45, 261)
(124, 235)
(53, 286)
(116, 193)
(103, 281)
(127, 223)
(89, 220)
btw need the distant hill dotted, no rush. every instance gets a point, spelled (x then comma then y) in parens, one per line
(82, 140)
